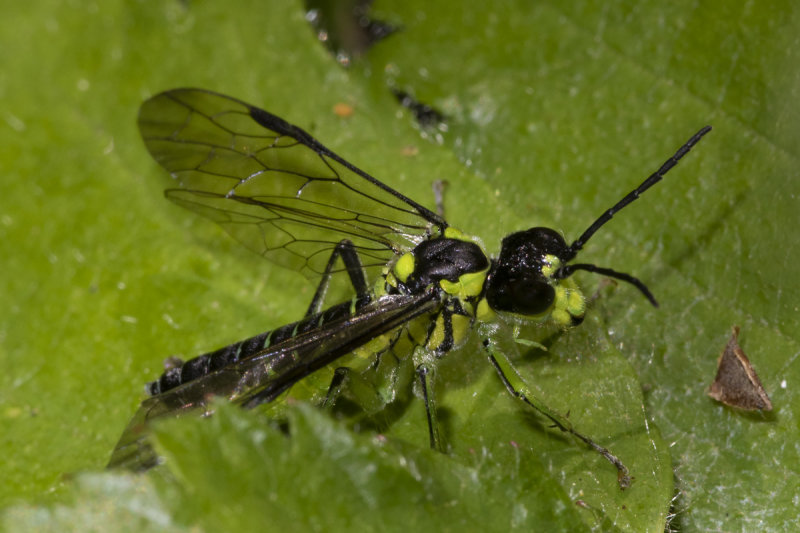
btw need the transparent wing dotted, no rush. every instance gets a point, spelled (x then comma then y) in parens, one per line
(264, 376)
(274, 187)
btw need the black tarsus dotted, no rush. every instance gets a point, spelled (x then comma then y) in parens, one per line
(430, 407)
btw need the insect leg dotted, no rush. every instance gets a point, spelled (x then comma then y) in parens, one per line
(351, 385)
(373, 387)
(430, 406)
(355, 271)
(340, 377)
(520, 390)
(444, 342)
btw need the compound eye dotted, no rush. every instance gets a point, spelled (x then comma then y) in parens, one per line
(523, 296)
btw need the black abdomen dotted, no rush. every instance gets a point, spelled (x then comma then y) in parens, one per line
(205, 364)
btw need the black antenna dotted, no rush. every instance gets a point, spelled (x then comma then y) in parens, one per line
(654, 178)
(573, 249)
(567, 271)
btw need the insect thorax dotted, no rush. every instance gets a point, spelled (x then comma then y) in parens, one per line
(523, 281)
(457, 267)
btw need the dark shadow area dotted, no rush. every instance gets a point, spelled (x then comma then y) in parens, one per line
(345, 28)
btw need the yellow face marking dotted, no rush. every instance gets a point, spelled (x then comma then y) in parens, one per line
(552, 265)
(569, 304)
(561, 318)
(576, 304)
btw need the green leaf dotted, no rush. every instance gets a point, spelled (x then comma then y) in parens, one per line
(322, 476)
(99, 502)
(553, 111)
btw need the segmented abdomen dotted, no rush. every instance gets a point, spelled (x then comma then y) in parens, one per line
(205, 364)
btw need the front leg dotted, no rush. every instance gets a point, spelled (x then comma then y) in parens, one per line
(426, 385)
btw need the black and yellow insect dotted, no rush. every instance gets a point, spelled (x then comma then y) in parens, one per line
(284, 195)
